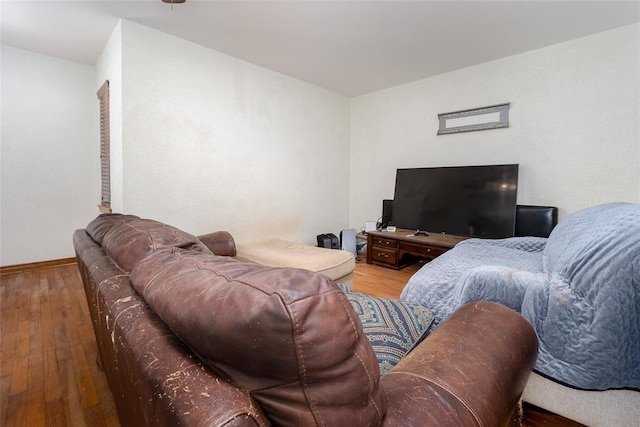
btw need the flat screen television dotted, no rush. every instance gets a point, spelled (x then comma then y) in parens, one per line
(477, 201)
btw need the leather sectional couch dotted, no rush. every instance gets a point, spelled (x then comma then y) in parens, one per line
(188, 335)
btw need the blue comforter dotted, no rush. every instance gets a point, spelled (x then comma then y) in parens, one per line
(580, 289)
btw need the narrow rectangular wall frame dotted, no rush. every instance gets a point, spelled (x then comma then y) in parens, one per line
(483, 118)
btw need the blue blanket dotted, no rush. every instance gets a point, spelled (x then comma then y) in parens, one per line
(580, 289)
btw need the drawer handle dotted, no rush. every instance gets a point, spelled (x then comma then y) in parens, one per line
(382, 255)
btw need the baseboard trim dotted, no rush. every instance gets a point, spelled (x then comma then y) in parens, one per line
(30, 266)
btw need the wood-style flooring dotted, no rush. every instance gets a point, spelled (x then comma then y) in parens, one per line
(48, 371)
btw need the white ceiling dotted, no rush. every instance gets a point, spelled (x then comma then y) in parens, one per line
(352, 47)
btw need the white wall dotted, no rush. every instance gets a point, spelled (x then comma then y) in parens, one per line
(574, 125)
(49, 155)
(211, 142)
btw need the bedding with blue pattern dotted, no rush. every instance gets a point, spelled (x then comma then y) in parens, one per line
(580, 289)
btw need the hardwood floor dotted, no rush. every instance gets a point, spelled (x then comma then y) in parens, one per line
(380, 281)
(48, 371)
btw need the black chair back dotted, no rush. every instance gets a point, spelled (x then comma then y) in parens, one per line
(535, 221)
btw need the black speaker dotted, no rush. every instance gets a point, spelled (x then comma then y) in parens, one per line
(324, 241)
(328, 240)
(387, 211)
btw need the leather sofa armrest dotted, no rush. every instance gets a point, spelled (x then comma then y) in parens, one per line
(220, 243)
(470, 371)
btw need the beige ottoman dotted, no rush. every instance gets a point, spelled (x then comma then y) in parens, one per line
(335, 264)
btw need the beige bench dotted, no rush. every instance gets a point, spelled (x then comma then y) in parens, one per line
(336, 264)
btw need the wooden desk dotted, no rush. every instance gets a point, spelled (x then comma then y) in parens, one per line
(399, 248)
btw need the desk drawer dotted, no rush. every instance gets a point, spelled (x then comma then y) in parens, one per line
(422, 250)
(384, 255)
(385, 243)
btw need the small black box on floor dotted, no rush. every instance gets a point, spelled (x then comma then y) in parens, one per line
(328, 240)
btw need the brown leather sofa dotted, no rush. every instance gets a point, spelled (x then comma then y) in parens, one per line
(187, 335)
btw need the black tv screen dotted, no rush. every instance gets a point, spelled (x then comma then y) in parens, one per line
(478, 201)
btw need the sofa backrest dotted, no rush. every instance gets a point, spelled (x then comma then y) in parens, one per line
(154, 378)
(289, 336)
(105, 222)
(596, 240)
(127, 239)
(588, 316)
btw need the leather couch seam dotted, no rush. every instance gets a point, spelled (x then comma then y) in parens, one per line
(301, 358)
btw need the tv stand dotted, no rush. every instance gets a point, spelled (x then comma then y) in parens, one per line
(397, 249)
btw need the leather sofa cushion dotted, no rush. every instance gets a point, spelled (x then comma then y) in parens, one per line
(100, 226)
(128, 242)
(219, 243)
(289, 336)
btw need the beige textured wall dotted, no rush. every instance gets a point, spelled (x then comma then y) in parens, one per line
(50, 181)
(211, 142)
(574, 125)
